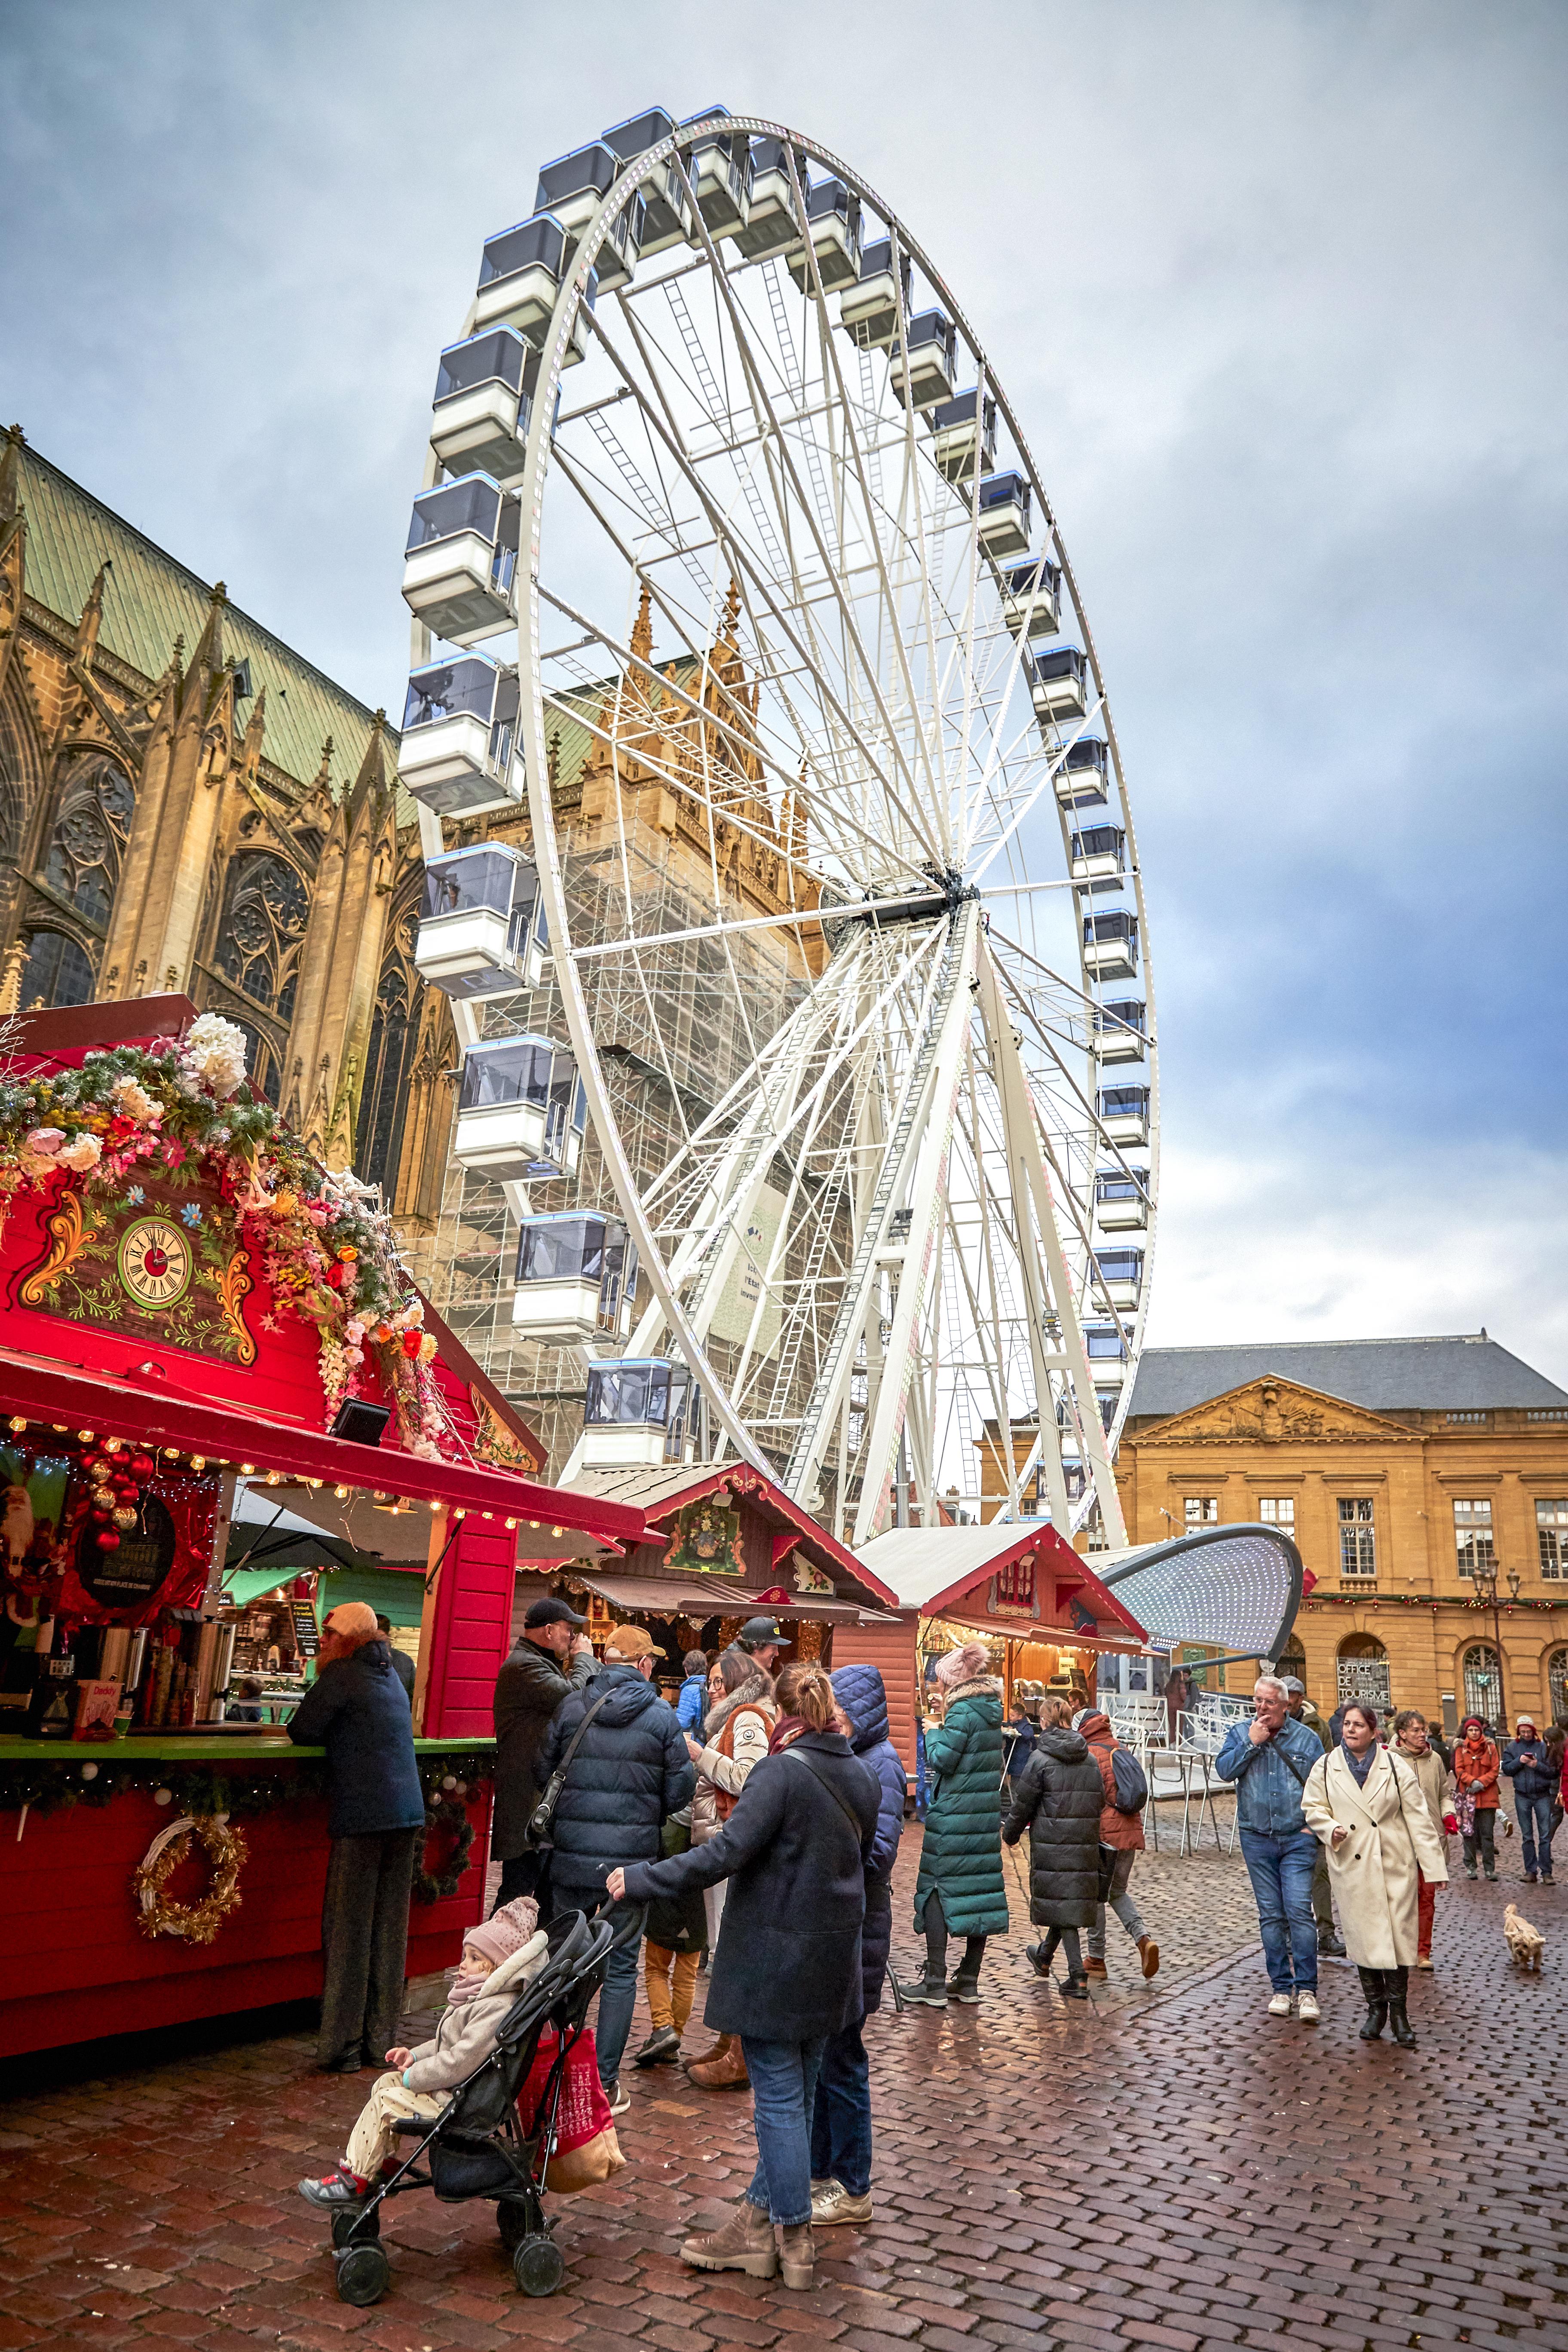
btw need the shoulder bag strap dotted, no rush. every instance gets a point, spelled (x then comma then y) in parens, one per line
(845, 1807)
(588, 1714)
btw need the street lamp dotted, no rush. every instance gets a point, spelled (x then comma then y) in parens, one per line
(1485, 1581)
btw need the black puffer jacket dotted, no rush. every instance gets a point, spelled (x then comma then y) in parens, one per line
(530, 1688)
(1058, 1802)
(629, 1774)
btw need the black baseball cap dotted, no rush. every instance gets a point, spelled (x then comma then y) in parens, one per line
(757, 1633)
(551, 1611)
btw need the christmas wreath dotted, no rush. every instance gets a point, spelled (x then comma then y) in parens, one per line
(445, 1813)
(194, 1923)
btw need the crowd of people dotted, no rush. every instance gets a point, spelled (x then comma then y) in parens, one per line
(750, 1829)
(1356, 1814)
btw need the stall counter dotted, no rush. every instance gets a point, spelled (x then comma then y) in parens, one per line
(76, 1966)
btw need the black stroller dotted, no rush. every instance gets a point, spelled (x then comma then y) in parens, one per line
(475, 2145)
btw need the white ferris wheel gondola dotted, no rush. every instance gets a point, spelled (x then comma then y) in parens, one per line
(833, 845)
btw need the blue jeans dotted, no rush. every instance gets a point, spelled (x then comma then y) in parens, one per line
(1280, 1869)
(1534, 1815)
(841, 2120)
(618, 1990)
(784, 2099)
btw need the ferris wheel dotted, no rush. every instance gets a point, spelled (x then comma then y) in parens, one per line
(815, 982)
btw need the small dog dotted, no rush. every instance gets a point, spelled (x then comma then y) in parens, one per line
(1525, 1942)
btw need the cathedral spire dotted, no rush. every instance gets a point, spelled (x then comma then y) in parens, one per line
(642, 630)
(91, 619)
(11, 475)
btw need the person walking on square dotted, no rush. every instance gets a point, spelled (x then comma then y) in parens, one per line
(1527, 1762)
(1413, 1740)
(786, 1975)
(960, 1889)
(1476, 1765)
(1329, 1944)
(1269, 1759)
(1059, 1801)
(1124, 1833)
(358, 1711)
(628, 1774)
(552, 1658)
(841, 2118)
(1367, 1806)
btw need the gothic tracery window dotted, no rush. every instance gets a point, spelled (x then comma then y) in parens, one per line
(394, 1033)
(264, 916)
(90, 835)
(57, 972)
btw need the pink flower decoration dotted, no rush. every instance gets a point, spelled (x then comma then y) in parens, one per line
(174, 1154)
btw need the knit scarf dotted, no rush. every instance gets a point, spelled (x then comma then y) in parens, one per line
(465, 1985)
(785, 1732)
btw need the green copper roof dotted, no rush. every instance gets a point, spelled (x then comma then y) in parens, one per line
(150, 599)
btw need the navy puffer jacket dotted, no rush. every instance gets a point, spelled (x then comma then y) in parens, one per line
(860, 1693)
(630, 1773)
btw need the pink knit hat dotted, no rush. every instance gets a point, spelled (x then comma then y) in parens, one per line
(964, 1666)
(498, 1937)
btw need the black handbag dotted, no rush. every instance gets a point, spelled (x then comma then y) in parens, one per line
(1108, 1857)
(542, 1818)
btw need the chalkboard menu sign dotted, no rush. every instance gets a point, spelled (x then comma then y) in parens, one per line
(306, 1640)
(128, 1576)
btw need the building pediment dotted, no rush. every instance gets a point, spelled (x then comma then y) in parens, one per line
(1279, 1411)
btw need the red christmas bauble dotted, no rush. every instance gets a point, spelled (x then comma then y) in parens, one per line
(107, 1541)
(143, 1466)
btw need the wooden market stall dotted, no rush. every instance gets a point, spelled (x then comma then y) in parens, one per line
(722, 1544)
(191, 1307)
(1013, 1582)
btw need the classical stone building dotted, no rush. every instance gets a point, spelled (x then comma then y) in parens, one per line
(186, 804)
(1400, 1467)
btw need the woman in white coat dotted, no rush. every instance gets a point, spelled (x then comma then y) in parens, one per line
(1366, 1805)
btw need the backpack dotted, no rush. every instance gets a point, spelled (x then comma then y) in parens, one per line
(1128, 1783)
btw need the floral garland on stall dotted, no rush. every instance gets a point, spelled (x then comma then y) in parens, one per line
(325, 1245)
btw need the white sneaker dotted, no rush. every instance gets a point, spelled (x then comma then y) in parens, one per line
(1307, 2008)
(1280, 2005)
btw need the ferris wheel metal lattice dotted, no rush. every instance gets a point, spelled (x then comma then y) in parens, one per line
(794, 927)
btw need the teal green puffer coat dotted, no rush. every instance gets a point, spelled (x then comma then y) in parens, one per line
(961, 1857)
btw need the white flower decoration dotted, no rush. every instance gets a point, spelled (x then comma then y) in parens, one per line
(132, 1101)
(213, 1050)
(83, 1152)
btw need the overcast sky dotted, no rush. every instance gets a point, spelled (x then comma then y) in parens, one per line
(1279, 291)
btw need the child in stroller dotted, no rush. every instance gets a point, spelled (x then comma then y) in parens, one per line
(499, 1956)
(470, 2140)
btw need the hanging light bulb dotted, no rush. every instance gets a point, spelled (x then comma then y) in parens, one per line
(19, 1423)
(341, 1493)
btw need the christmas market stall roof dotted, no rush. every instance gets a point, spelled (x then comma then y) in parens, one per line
(727, 1541)
(1236, 1587)
(1020, 1580)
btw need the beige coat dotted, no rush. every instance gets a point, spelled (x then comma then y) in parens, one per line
(1437, 1781)
(1374, 1870)
(468, 2032)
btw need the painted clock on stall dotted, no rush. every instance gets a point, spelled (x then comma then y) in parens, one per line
(155, 1262)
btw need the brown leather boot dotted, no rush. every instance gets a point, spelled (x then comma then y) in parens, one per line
(724, 2069)
(745, 2243)
(1093, 1968)
(797, 2256)
(1149, 1953)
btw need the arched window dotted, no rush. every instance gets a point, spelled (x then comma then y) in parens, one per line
(57, 972)
(1557, 1681)
(393, 1031)
(264, 916)
(90, 830)
(262, 1065)
(1362, 1669)
(1483, 1683)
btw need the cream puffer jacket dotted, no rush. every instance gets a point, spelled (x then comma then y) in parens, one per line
(467, 2034)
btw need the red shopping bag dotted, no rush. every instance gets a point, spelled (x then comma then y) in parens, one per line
(583, 2150)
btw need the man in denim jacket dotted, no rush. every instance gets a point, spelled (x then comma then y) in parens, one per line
(1269, 1759)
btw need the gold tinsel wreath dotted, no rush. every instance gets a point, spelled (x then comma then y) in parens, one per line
(194, 1923)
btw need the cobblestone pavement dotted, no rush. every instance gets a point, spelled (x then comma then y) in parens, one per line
(1168, 2166)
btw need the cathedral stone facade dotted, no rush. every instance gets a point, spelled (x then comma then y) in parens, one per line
(186, 804)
